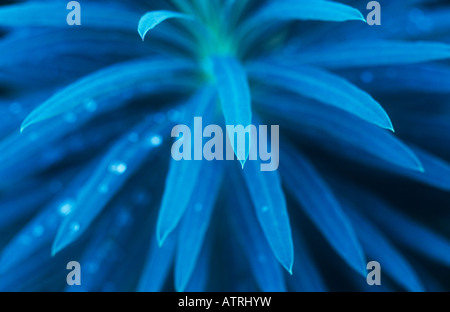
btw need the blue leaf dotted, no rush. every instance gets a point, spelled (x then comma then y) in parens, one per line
(121, 161)
(380, 249)
(53, 14)
(264, 265)
(324, 87)
(321, 206)
(371, 53)
(430, 78)
(195, 223)
(270, 206)
(41, 230)
(436, 172)
(114, 236)
(108, 82)
(200, 274)
(50, 46)
(338, 125)
(307, 276)
(158, 264)
(183, 175)
(234, 92)
(152, 19)
(400, 227)
(288, 10)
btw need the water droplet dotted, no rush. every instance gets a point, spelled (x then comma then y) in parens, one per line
(38, 230)
(140, 197)
(133, 137)
(123, 218)
(156, 140)
(15, 108)
(91, 106)
(265, 209)
(70, 117)
(367, 76)
(198, 207)
(159, 117)
(103, 188)
(74, 227)
(118, 168)
(173, 115)
(66, 208)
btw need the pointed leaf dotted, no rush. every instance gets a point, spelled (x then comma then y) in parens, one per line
(307, 276)
(200, 275)
(334, 126)
(152, 19)
(430, 78)
(264, 265)
(270, 206)
(234, 92)
(288, 10)
(41, 230)
(324, 87)
(405, 230)
(108, 82)
(321, 206)
(158, 264)
(124, 158)
(183, 176)
(381, 250)
(373, 53)
(53, 14)
(195, 223)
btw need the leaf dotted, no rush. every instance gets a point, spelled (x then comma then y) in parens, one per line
(288, 10)
(333, 126)
(109, 82)
(324, 87)
(321, 206)
(371, 53)
(234, 93)
(429, 78)
(49, 47)
(41, 230)
(158, 264)
(307, 276)
(201, 273)
(195, 223)
(380, 249)
(53, 14)
(263, 263)
(152, 19)
(183, 176)
(270, 206)
(113, 236)
(405, 230)
(119, 163)
(436, 171)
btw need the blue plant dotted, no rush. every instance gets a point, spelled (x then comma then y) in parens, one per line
(83, 179)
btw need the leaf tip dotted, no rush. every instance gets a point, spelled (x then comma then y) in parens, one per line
(24, 125)
(161, 237)
(288, 265)
(56, 248)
